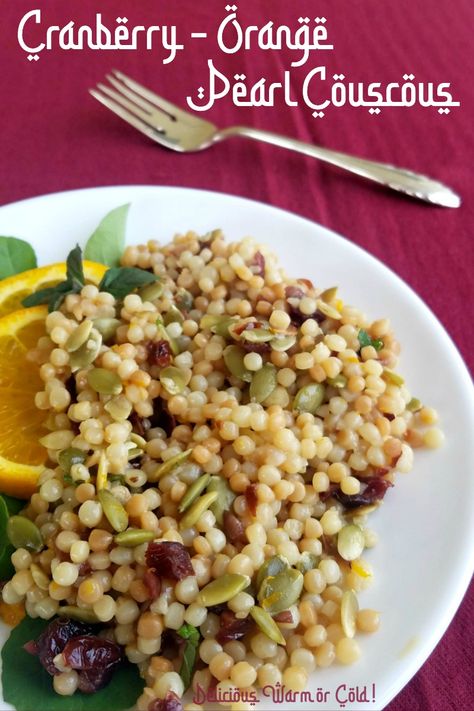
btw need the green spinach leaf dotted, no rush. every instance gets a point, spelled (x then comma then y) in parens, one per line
(366, 340)
(106, 244)
(192, 637)
(16, 256)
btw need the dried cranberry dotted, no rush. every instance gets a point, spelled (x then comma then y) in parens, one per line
(162, 418)
(256, 347)
(159, 353)
(153, 583)
(169, 703)
(251, 498)
(94, 658)
(169, 559)
(294, 292)
(259, 263)
(230, 627)
(234, 528)
(140, 425)
(54, 639)
(284, 617)
(374, 491)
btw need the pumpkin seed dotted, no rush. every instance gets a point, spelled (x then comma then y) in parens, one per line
(172, 379)
(328, 310)
(39, 576)
(87, 353)
(173, 315)
(340, 381)
(414, 405)
(279, 592)
(267, 624)
(107, 327)
(349, 610)
(164, 334)
(264, 382)
(78, 613)
(197, 509)
(362, 510)
(133, 537)
(168, 466)
(184, 300)
(119, 408)
(61, 439)
(105, 382)
(71, 456)
(257, 335)
(393, 378)
(234, 360)
(196, 488)
(283, 343)
(79, 336)
(308, 561)
(138, 440)
(225, 497)
(217, 324)
(152, 291)
(113, 510)
(23, 533)
(350, 542)
(272, 566)
(329, 295)
(309, 398)
(101, 478)
(222, 589)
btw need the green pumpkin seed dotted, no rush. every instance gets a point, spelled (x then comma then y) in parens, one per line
(393, 378)
(105, 382)
(217, 324)
(119, 408)
(328, 310)
(283, 342)
(197, 509)
(349, 610)
(107, 327)
(152, 291)
(184, 300)
(39, 576)
(309, 398)
(222, 589)
(272, 566)
(329, 295)
(279, 592)
(172, 379)
(71, 456)
(340, 381)
(264, 382)
(23, 533)
(308, 561)
(133, 537)
(138, 440)
(87, 353)
(234, 360)
(113, 510)
(169, 465)
(267, 624)
(78, 613)
(225, 497)
(61, 439)
(173, 315)
(362, 510)
(414, 405)
(196, 488)
(257, 335)
(350, 542)
(79, 336)
(163, 333)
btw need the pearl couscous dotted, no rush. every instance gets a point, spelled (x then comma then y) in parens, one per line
(216, 442)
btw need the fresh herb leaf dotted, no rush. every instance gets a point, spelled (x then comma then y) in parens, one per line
(26, 685)
(192, 637)
(74, 270)
(120, 281)
(106, 244)
(54, 296)
(16, 256)
(366, 340)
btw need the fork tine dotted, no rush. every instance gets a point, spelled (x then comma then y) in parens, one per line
(156, 100)
(123, 101)
(165, 120)
(133, 120)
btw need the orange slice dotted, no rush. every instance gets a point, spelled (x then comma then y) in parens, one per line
(21, 424)
(15, 288)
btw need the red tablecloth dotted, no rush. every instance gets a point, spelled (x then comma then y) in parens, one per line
(55, 137)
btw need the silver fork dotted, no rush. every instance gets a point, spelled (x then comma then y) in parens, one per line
(167, 124)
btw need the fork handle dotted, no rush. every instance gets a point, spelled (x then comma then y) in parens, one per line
(400, 179)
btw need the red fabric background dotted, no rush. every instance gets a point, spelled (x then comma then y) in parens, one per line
(55, 137)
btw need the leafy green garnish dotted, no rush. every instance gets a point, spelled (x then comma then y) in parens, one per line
(16, 256)
(106, 244)
(28, 687)
(192, 637)
(366, 340)
(8, 507)
(55, 295)
(120, 281)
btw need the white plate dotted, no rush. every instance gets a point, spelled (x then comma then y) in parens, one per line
(424, 560)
